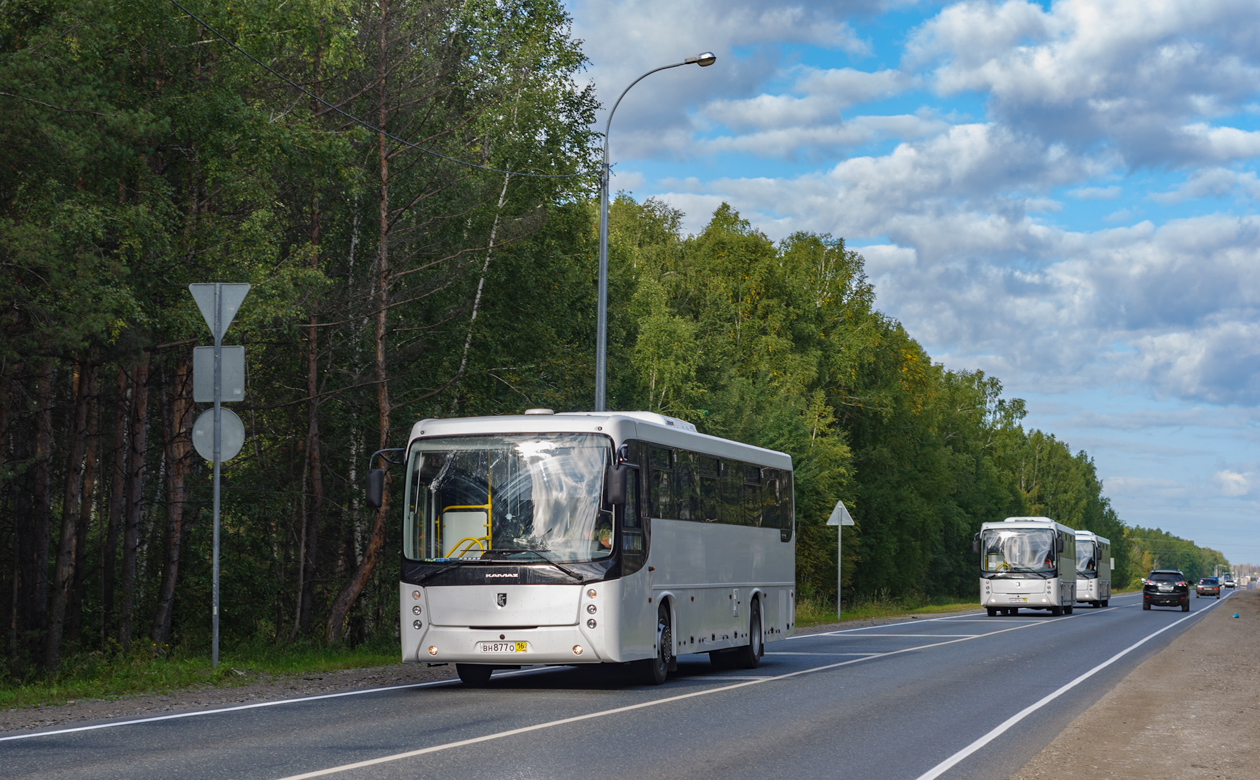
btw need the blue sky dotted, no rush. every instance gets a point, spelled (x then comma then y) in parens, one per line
(1061, 194)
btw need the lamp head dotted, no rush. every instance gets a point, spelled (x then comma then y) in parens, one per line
(704, 59)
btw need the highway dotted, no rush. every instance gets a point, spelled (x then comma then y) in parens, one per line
(962, 696)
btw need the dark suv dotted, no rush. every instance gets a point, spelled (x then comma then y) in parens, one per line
(1166, 588)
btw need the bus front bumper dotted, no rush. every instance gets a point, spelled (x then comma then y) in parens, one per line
(507, 647)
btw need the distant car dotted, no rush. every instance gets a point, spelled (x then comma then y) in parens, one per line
(1229, 583)
(1208, 586)
(1166, 588)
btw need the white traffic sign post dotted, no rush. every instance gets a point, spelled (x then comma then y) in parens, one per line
(218, 304)
(839, 518)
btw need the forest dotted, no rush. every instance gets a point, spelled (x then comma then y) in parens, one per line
(410, 188)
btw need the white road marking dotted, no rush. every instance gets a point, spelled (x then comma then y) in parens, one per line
(631, 708)
(1002, 728)
(256, 705)
(789, 652)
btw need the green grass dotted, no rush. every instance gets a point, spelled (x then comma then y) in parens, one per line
(813, 612)
(96, 676)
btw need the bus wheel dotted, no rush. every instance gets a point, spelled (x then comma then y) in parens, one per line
(1013, 611)
(1068, 609)
(654, 670)
(474, 675)
(1104, 602)
(748, 656)
(1056, 611)
(992, 611)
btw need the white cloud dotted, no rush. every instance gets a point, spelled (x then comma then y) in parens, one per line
(1096, 193)
(1233, 483)
(1147, 76)
(1212, 183)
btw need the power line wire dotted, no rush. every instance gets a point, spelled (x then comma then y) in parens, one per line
(362, 122)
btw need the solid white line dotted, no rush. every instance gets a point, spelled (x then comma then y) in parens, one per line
(788, 652)
(953, 760)
(629, 708)
(256, 705)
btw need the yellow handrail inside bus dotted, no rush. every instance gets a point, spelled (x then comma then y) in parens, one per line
(472, 540)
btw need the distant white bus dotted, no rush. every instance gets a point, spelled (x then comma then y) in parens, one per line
(1093, 568)
(587, 538)
(1026, 563)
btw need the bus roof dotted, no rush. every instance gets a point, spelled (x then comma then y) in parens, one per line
(1087, 535)
(1029, 522)
(620, 426)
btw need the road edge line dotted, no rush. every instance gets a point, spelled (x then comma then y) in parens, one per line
(1006, 725)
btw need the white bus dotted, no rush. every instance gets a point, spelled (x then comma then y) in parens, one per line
(1093, 568)
(1026, 563)
(588, 538)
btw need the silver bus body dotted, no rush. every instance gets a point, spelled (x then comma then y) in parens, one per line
(1093, 569)
(1027, 563)
(462, 606)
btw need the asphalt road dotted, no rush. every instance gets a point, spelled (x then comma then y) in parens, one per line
(964, 696)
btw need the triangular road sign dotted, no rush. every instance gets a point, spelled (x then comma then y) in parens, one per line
(232, 295)
(840, 515)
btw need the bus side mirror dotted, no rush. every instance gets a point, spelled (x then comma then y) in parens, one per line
(615, 484)
(1059, 544)
(975, 545)
(375, 488)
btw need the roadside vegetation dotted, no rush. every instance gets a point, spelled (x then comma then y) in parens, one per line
(141, 154)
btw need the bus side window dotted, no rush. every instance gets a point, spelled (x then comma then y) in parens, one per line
(752, 495)
(731, 511)
(659, 484)
(710, 494)
(786, 510)
(686, 491)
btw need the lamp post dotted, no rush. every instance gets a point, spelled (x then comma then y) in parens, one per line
(704, 60)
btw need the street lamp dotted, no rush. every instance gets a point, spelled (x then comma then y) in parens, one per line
(704, 60)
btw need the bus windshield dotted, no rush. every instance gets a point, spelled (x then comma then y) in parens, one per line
(1017, 549)
(513, 497)
(1086, 559)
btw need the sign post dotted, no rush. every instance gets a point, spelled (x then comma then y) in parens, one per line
(218, 303)
(839, 518)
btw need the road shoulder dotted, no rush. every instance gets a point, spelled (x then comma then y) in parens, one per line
(1191, 711)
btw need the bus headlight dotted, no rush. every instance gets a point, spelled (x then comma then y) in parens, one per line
(417, 625)
(590, 608)
(590, 623)
(577, 649)
(432, 650)
(591, 593)
(415, 594)
(416, 610)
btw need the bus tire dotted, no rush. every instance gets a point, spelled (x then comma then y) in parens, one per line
(1104, 602)
(1068, 609)
(992, 611)
(653, 671)
(1056, 611)
(749, 656)
(474, 675)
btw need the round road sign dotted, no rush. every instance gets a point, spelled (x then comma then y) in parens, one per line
(233, 435)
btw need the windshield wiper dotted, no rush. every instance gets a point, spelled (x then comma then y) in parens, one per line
(559, 566)
(438, 571)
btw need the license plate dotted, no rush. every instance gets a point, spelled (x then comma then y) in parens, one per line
(1019, 598)
(1165, 588)
(503, 647)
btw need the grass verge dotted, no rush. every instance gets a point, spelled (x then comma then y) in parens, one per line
(813, 612)
(96, 676)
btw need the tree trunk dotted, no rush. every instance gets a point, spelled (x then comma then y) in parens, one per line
(74, 610)
(117, 504)
(177, 425)
(66, 551)
(135, 496)
(34, 504)
(358, 579)
(314, 505)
